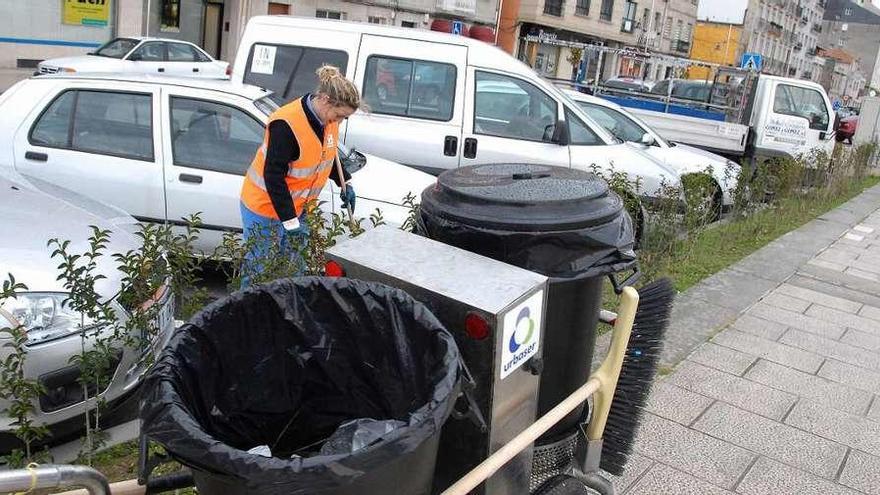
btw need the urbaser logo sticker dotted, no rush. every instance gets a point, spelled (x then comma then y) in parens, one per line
(521, 333)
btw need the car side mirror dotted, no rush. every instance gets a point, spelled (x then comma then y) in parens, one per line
(135, 57)
(558, 133)
(836, 122)
(648, 140)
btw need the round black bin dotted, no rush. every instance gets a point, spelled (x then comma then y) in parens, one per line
(560, 222)
(284, 365)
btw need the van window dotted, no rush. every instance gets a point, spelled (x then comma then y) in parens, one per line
(512, 108)
(104, 122)
(212, 136)
(410, 88)
(802, 102)
(288, 70)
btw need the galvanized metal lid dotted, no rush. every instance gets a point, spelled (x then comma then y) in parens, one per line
(522, 197)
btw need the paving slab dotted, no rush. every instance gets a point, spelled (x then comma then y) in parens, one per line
(675, 403)
(746, 394)
(869, 341)
(774, 262)
(831, 348)
(732, 289)
(769, 350)
(862, 472)
(798, 320)
(862, 274)
(822, 298)
(870, 312)
(760, 327)
(662, 479)
(770, 477)
(635, 468)
(844, 318)
(783, 301)
(809, 386)
(825, 287)
(857, 432)
(830, 265)
(851, 375)
(874, 412)
(693, 322)
(840, 256)
(692, 452)
(722, 358)
(840, 278)
(772, 439)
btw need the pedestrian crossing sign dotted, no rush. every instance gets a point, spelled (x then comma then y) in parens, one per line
(752, 62)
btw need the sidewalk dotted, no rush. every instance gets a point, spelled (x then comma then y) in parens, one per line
(777, 371)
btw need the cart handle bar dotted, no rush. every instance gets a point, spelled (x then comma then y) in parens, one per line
(53, 476)
(599, 382)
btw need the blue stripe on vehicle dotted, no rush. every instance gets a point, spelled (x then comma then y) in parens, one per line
(34, 41)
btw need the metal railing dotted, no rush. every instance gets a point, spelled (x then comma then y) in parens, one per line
(53, 476)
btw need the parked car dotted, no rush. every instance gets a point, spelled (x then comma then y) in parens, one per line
(628, 84)
(492, 108)
(165, 148)
(143, 56)
(847, 129)
(34, 212)
(686, 160)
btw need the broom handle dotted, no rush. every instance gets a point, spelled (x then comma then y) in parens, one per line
(604, 381)
(344, 187)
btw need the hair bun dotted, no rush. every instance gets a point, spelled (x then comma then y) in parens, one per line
(326, 73)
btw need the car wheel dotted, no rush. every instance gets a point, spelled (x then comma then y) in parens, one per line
(703, 198)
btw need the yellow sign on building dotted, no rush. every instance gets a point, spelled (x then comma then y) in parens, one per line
(87, 12)
(716, 43)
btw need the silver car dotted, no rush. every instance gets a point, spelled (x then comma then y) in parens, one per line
(34, 212)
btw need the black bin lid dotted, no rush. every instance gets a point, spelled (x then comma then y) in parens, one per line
(522, 197)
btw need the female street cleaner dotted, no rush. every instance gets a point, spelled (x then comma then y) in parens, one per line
(291, 167)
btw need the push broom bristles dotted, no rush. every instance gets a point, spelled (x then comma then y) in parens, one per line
(637, 374)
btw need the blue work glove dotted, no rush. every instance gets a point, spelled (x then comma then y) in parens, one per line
(348, 197)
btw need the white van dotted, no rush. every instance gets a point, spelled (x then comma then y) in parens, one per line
(438, 101)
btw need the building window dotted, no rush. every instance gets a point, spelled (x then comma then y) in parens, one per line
(582, 7)
(170, 16)
(841, 42)
(375, 20)
(553, 7)
(667, 28)
(658, 20)
(847, 11)
(629, 17)
(407, 24)
(329, 14)
(607, 10)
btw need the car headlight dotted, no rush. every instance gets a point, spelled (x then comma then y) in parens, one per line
(44, 315)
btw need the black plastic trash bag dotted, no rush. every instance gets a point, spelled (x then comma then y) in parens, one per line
(284, 365)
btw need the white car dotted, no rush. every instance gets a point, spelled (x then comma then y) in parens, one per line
(34, 212)
(684, 159)
(142, 56)
(164, 148)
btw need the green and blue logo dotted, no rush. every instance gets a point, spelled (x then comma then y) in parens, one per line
(524, 332)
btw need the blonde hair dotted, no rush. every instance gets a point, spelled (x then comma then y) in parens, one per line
(340, 91)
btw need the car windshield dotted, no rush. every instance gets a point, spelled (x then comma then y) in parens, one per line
(116, 48)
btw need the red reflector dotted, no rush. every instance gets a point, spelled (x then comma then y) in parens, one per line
(476, 326)
(228, 70)
(333, 269)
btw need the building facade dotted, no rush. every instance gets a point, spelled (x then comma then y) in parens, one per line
(539, 32)
(855, 28)
(842, 76)
(786, 34)
(39, 29)
(716, 43)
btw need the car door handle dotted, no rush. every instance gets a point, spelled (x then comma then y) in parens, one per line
(195, 179)
(37, 157)
(450, 146)
(161, 69)
(195, 69)
(470, 148)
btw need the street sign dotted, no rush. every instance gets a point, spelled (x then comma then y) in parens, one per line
(457, 27)
(752, 61)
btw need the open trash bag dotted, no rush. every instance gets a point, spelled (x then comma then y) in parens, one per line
(284, 365)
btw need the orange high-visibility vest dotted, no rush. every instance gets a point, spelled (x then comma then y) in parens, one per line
(306, 175)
